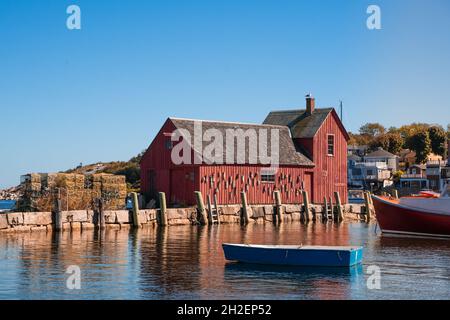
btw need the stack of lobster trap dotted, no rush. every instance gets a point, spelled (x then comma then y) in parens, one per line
(75, 191)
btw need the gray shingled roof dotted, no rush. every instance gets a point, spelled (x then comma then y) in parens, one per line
(380, 153)
(301, 124)
(287, 152)
(354, 157)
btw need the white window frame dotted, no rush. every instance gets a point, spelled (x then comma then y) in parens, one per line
(328, 145)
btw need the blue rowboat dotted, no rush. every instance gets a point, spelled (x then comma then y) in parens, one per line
(293, 255)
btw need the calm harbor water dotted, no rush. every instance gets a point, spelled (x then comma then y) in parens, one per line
(185, 262)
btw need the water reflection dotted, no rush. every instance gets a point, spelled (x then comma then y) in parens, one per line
(310, 282)
(185, 262)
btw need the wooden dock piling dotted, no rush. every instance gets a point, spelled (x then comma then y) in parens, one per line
(244, 215)
(135, 202)
(101, 214)
(162, 214)
(217, 209)
(58, 211)
(367, 202)
(340, 211)
(203, 219)
(278, 207)
(307, 207)
(210, 210)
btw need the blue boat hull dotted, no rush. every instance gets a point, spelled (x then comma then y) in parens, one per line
(293, 256)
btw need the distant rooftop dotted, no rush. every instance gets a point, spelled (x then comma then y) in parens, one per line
(380, 153)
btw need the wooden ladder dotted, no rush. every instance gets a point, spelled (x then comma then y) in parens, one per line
(213, 211)
(328, 208)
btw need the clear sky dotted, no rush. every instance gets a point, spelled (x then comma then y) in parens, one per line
(101, 93)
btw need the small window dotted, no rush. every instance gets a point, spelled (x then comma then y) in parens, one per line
(268, 175)
(330, 149)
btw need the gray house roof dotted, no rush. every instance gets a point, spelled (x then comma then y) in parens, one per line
(301, 124)
(288, 155)
(380, 153)
(354, 157)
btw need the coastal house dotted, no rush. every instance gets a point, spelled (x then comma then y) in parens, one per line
(415, 178)
(357, 150)
(312, 148)
(407, 158)
(434, 170)
(432, 175)
(368, 175)
(381, 155)
(445, 173)
(372, 171)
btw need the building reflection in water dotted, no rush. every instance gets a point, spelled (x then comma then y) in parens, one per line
(184, 262)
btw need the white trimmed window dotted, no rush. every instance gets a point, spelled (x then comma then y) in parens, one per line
(330, 144)
(268, 175)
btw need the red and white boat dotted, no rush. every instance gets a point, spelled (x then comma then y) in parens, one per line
(425, 215)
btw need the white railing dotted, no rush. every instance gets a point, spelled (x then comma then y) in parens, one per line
(413, 176)
(379, 165)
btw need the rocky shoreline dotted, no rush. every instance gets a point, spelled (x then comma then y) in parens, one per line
(12, 193)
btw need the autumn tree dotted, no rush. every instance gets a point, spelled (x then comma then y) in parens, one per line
(409, 130)
(392, 142)
(438, 137)
(358, 140)
(421, 144)
(372, 129)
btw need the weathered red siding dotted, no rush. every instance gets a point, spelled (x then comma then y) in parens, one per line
(230, 180)
(180, 181)
(330, 173)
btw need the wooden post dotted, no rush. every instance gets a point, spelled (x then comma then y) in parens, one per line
(278, 206)
(325, 209)
(395, 193)
(340, 211)
(135, 202)
(58, 212)
(210, 218)
(307, 208)
(101, 214)
(162, 209)
(245, 217)
(203, 219)
(217, 208)
(330, 201)
(368, 206)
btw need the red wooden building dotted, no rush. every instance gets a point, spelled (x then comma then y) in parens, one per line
(312, 156)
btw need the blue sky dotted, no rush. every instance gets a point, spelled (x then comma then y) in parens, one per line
(101, 93)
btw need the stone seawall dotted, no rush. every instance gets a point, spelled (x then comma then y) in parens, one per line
(87, 219)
